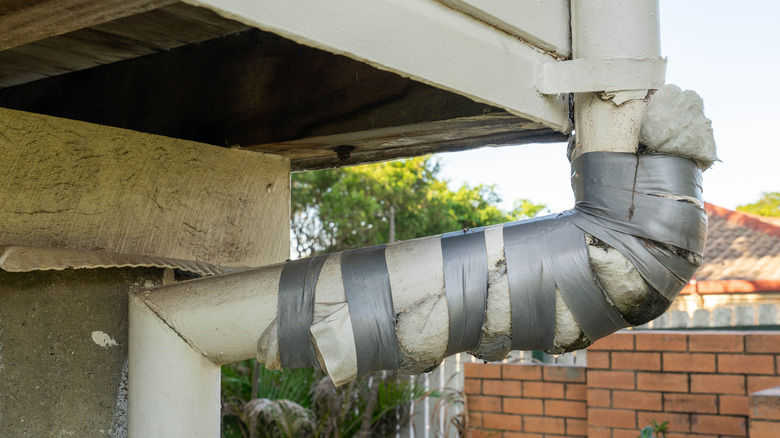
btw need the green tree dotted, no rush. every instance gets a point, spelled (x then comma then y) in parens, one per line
(767, 205)
(338, 209)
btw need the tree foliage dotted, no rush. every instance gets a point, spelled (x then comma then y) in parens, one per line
(338, 209)
(767, 205)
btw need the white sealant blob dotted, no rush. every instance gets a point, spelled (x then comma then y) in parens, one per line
(103, 339)
(674, 124)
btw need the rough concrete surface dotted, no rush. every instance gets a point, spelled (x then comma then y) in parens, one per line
(63, 351)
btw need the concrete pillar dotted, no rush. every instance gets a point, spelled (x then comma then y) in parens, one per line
(63, 350)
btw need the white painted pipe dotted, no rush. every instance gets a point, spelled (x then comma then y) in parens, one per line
(612, 29)
(173, 390)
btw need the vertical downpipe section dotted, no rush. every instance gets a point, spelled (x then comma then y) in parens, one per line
(611, 29)
(173, 389)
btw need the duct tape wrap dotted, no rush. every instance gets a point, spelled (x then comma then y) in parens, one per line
(643, 206)
(367, 286)
(465, 282)
(295, 310)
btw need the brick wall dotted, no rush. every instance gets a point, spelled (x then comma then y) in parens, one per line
(518, 400)
(698, 381)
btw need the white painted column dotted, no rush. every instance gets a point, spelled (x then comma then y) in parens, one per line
(174, 391)
(612, 29)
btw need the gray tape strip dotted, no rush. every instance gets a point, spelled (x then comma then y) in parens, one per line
(607, 190)
(367, 286)
(531, 289)
(620, 201)
(295, 308)
(465, 280)
(566, 256)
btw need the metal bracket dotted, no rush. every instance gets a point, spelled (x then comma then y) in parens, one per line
(610, 75)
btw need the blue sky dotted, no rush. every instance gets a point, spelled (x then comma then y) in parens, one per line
(729, 53)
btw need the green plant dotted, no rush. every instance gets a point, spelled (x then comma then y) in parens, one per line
(655, 430)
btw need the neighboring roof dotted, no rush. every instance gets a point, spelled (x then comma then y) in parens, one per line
(742, 253)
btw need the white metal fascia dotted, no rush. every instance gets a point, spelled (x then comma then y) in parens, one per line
(421, 39)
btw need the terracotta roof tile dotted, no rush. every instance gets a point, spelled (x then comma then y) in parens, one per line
(740, 246)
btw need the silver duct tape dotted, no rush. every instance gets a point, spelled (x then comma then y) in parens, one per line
(367, 286)
(620, 200)
(566, 257)
(295, 307)
(620, 192)
(465, 281)
(531, 288)
(609, 187)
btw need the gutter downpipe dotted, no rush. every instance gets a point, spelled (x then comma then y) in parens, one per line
(181, 334)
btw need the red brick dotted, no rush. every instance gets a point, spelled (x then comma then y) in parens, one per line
(576, 391)
(523, 406)
(502, 387)
(625, 433)
(763, 429)
(762, 343)
(502, 421)
(718, 424)
(670, 382)
(760, 383)
(636, 361)
(661, 342)
(476, 433)
(564, 373)
(703, 404)
(624, 418)
(716, 342)
(600, 398)
(472, 386)
(718, 384)
(562, 408)
(685, 435)
(542, 389)
(691, 362)
(598, 359)
(483, 403)
(522, 372)
(677, 422)
(599, 431)
(546, 425)
(481, 371)
(576, 427)
(616, 341)
(520, 435)
(611, 379)
(647, 401)
(475, 419)
(746, 364)
(733, 404)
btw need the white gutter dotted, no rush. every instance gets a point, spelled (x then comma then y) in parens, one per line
(180, 334)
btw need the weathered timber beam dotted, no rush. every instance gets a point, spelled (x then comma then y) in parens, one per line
(73, 185)
(25, 21)
(256, 88)
(497, 129)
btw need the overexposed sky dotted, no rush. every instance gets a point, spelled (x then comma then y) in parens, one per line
(729, 53)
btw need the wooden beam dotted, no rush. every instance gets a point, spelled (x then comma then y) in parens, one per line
(421, 39)
(75, 185)
(499, 129)
(25, 21)
(266, 93)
